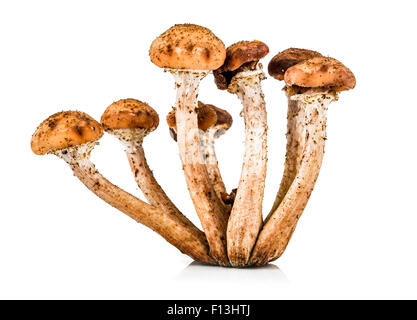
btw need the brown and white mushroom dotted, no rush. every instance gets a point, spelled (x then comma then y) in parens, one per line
(241, 74)
(72, 135)
(131, 120)
(213, 122)
(295, 115)
(189, 52)
(311, 85)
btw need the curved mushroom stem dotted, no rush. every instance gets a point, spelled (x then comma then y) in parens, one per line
(148, 184)
(246, 216)
(276, 233)
(208, 206)
(132, 139)
(207, 139)
(295, 146)
(185, 238)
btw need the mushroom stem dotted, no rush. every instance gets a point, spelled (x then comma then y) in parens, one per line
(181, 235)
(276, 233)
(295, 146)
(132, 139)
(209, 153)
(209, 208)
(246, 216)
(151, 188)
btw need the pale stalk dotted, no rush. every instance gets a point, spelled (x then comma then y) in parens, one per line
(164, 223)
(276, 233)
(295, 146)
(208, 206)
(207, 140)
(246, 215)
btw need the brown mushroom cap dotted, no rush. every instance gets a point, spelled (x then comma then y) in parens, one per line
(188, 46)
(207, 117)
(288, 58)
(243, 52)
(320, 72)
(129, 114)
(224, 119)
(237, 55)
(63, 130)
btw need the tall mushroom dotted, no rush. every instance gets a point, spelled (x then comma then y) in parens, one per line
(72, 135)
(130, 121)
(241, 74)
(213, 122)
(189, 52)
(276, 68)
(312, 85)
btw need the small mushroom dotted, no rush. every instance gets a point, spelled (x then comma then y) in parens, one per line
(213, 122)
(72, 135)
(241, 74)
(130, 121)
(189, 52)
(311, 85)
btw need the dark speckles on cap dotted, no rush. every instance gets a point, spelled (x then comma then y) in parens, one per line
(129, 114)
(188, 46)
(65, 129)
(324, 68)
(169, 50)
(52, 123)
(78, 130)
(207, 53)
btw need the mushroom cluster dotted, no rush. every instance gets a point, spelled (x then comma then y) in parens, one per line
(234, 231)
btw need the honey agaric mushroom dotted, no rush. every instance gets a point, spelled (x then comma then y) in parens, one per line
(311, 84)
(276, 68)
(130, 120)
(213, 122)
(241, 74)
(189, 52)
(72, 135)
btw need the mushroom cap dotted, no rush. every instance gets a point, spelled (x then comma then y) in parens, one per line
(207, 117)
(320, 72)
(243, 52)
(63, 130)
(129, 114)
(224, 119)
(288, 58)
(188, 46)
(237, 55)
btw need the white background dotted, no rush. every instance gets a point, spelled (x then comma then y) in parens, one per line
(357, 237)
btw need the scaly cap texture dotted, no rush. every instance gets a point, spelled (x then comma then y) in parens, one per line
(188, 46)
(63, 130)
